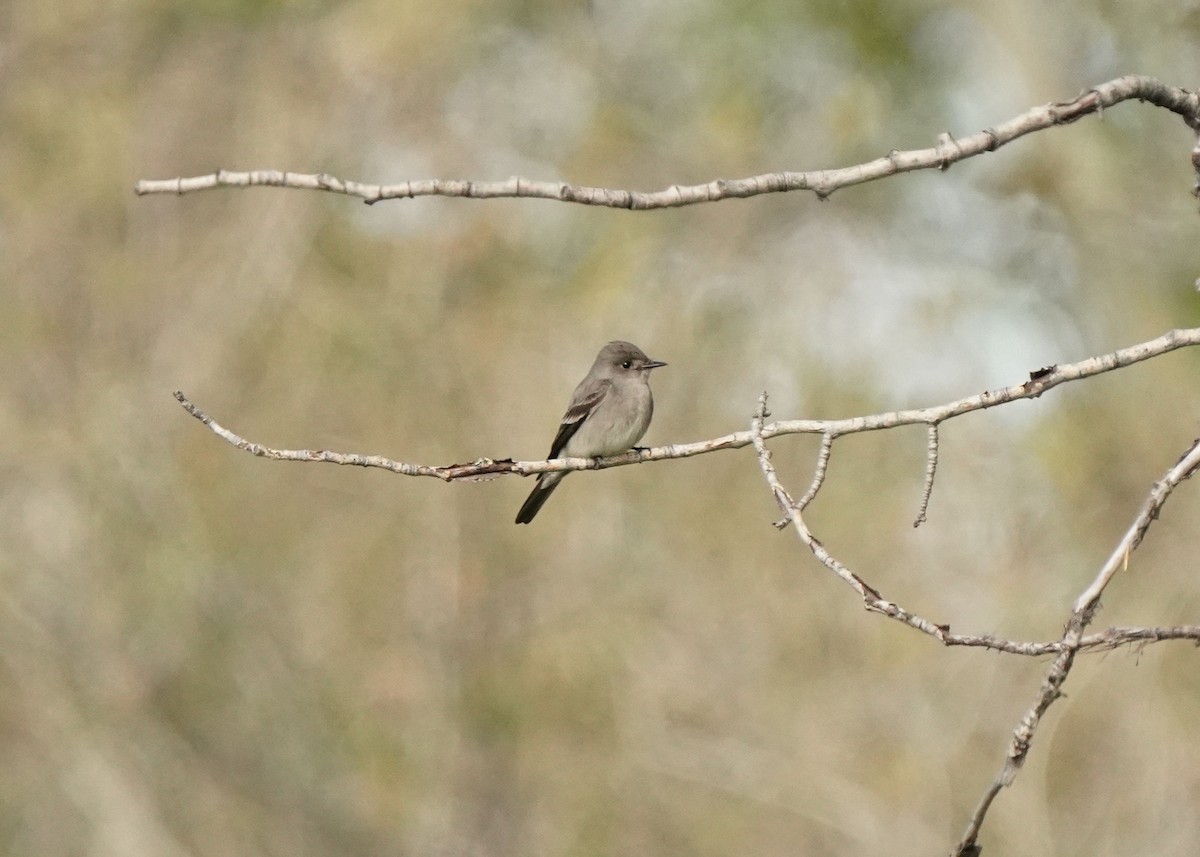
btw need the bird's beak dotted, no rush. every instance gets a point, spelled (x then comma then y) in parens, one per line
(653, 364)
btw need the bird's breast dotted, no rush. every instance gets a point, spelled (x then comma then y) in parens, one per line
(617, 423)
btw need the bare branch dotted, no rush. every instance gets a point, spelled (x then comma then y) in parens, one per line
(1023, 734)
(306, 454)
(1064, 650)
(1073, 640)
(822, 182)
(872, 600)
(478, 470)
(1103, 641)
(876, 603)
(1183, 469)
(486, 468)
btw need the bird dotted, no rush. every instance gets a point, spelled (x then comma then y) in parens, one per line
(609, 412)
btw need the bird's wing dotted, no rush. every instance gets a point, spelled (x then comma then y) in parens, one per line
(580, 409)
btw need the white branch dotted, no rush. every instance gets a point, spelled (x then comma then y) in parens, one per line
(822, 182)
(1038, 383)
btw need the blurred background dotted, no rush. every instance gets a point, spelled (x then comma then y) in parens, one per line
(203, 653)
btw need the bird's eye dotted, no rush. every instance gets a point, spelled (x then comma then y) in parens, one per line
(626, 364)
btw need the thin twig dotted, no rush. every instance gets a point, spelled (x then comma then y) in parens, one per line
(821, 182)
(931, 462)
(819, 472)
(1183, 469)
(817, 481)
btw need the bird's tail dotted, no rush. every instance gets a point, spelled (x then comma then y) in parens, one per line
(541, 492)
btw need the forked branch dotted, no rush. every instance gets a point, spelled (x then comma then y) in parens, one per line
(1064, 650)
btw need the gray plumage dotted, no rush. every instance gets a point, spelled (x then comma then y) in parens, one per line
(608, 414)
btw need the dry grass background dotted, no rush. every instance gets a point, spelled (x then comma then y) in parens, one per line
(203, 653)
